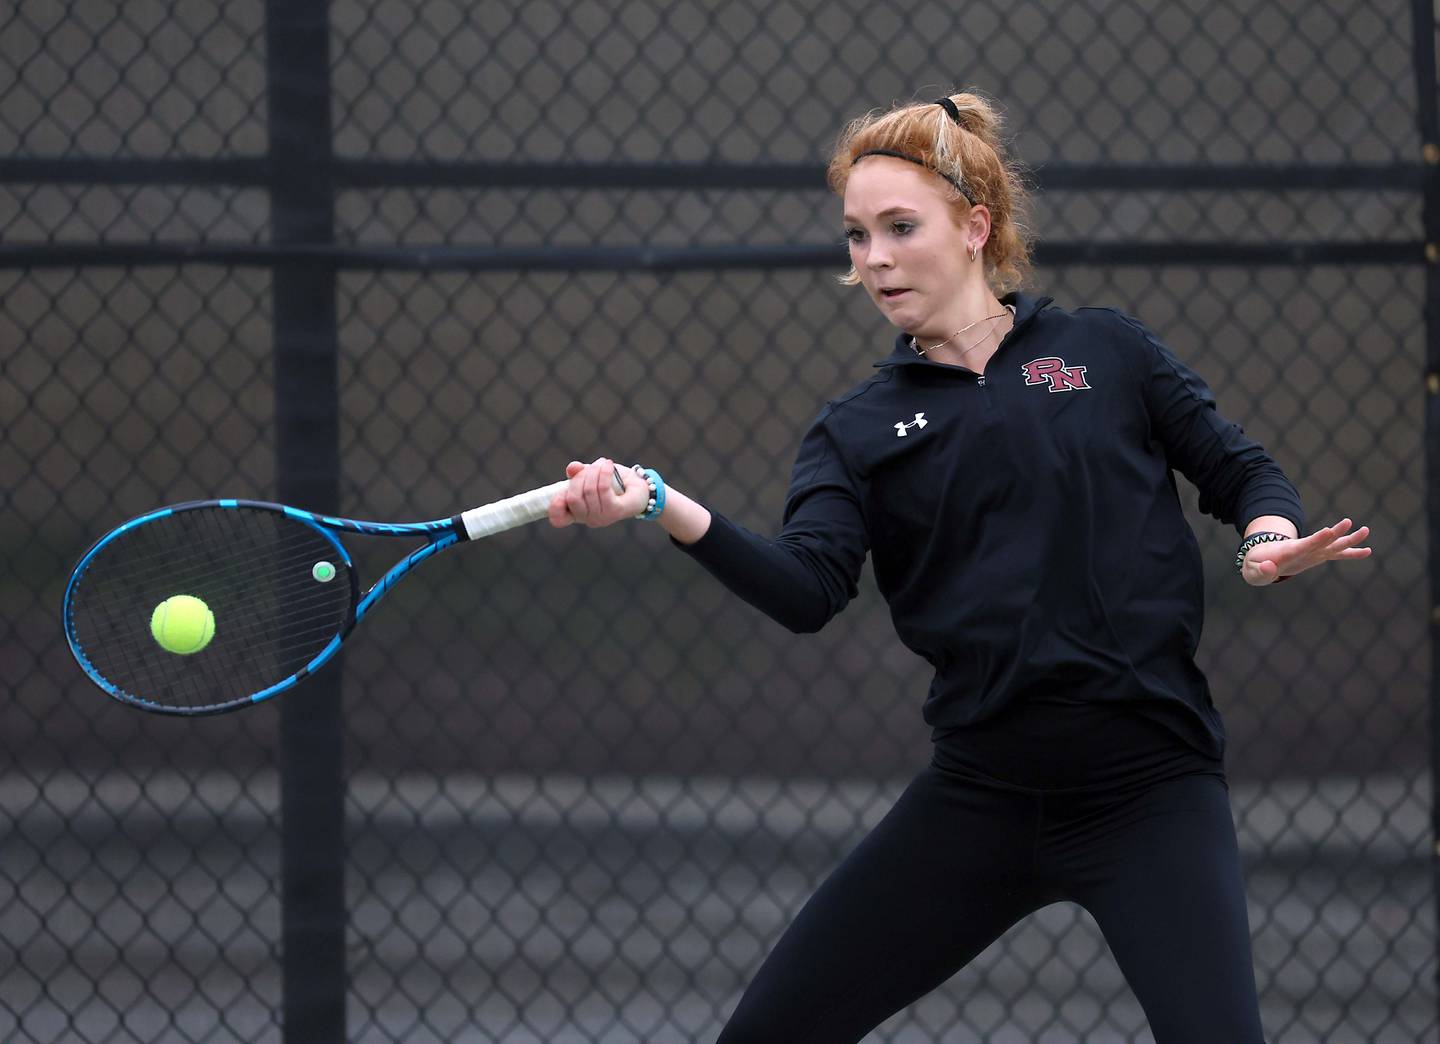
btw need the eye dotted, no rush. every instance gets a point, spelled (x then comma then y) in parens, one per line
(854, 235)
(902, 228)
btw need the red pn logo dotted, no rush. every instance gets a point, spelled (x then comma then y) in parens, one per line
(1054, 372)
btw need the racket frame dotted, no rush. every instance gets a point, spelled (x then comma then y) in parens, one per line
(438, 534)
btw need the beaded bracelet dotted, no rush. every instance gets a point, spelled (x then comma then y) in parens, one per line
(1253, 540)
(656, 504)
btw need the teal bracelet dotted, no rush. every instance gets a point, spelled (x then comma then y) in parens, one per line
(656, 504)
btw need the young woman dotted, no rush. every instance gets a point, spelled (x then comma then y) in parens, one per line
(1009, 468)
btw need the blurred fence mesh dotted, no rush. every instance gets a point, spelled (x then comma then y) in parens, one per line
(586, 788)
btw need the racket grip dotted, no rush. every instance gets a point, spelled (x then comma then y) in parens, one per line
(518, 510)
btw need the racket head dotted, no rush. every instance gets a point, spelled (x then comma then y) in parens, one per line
(252, 563)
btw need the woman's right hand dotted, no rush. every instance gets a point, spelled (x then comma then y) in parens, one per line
(591, 500)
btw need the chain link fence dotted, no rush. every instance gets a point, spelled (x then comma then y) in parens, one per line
(584, 789)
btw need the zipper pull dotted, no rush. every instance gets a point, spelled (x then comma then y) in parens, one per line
(981, 381)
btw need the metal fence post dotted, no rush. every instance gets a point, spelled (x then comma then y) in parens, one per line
(1423, 22)
(307, 444)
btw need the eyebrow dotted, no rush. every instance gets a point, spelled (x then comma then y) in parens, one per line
(886, 213)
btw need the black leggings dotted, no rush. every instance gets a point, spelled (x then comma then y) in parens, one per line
(956, 863)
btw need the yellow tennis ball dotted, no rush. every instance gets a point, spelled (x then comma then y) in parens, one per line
(182, 624)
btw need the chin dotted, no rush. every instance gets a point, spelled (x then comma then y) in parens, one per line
(897, 317)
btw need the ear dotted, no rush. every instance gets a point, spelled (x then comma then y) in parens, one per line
(977, 225)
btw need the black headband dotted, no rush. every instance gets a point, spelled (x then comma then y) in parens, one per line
(919, 163)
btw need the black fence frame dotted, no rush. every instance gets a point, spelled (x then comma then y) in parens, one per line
(303, 178)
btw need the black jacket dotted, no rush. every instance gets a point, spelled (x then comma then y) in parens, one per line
(1024, 524)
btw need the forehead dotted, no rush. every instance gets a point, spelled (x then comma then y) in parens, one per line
(878, 184)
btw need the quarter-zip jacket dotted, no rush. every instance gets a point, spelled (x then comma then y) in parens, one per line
(1024, 523)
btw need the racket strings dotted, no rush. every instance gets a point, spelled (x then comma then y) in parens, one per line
(296, 595)
(255, 640)
(164, 556)
(252, 568)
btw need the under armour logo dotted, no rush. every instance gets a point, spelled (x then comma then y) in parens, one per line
(1053, 371)
(902, 429)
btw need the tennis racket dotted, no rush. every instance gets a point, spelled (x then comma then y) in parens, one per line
(280, 589)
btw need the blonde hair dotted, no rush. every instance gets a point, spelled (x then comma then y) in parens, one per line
(966, 152)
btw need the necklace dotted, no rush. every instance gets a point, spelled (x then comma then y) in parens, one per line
(918, 350)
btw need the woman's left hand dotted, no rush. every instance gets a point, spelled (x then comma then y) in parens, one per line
(1266, 563)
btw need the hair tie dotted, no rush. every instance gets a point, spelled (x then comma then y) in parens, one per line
(950, 107)
(919, 163)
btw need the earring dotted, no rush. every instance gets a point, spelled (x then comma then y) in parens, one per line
(972, 251)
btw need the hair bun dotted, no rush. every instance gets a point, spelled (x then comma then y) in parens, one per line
(974, 114)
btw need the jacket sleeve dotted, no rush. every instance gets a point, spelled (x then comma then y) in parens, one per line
(809, 572)
(1238, 481)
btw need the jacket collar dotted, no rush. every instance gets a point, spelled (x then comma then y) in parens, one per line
(1027, 307)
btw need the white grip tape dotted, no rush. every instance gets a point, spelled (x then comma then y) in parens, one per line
(518, 510)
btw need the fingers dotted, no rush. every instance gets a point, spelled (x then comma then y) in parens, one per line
(1329, 533)
(593, 489)
(559, 512)
(1339, 541)
(1354, 538)
(1322, 536)
(1347, 548)
(593, 495)
(581, 506)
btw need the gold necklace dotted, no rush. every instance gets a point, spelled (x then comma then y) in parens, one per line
(915, 346)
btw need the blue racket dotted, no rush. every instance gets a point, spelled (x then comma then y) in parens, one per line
(269, 594)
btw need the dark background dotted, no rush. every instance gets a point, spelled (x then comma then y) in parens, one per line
(538, 232)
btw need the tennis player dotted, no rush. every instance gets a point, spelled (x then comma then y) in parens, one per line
(1009, 468)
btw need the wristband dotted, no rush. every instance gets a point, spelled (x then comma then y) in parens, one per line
(656, 504)
(1254, 540)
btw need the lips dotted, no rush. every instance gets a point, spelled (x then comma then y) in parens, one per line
(892, 293)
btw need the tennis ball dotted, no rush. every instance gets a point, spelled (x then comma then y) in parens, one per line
(182, 624)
